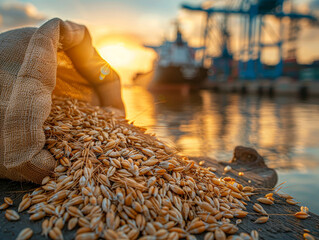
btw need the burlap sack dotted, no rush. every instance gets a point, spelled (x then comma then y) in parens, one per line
(58, 58)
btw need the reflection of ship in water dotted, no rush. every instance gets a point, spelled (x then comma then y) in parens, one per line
(175, 67)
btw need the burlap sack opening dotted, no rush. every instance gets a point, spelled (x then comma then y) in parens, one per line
(56, 58)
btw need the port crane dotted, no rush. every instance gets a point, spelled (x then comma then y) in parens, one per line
(252, 25)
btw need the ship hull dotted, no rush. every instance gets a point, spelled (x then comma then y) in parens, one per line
(174, 78)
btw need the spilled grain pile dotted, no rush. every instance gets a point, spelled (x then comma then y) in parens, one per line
(114, 181)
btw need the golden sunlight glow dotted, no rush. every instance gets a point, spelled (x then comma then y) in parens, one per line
(118, 55)
(126, 54)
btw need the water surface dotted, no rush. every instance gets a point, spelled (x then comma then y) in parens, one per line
(284, 130)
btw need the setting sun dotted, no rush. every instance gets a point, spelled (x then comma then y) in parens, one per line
(118, 55)
(126, 54)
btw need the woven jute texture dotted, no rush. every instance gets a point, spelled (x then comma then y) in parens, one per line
(57, 58)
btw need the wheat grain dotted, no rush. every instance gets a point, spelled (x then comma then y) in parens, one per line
(25, 234)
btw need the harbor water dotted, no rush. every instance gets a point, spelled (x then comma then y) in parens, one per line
(284, 130)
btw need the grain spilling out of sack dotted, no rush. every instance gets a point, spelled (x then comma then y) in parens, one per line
(114, 181)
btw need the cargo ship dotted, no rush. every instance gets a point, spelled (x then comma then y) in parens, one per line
(175, 67)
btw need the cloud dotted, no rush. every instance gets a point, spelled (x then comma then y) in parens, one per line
(18, 14)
